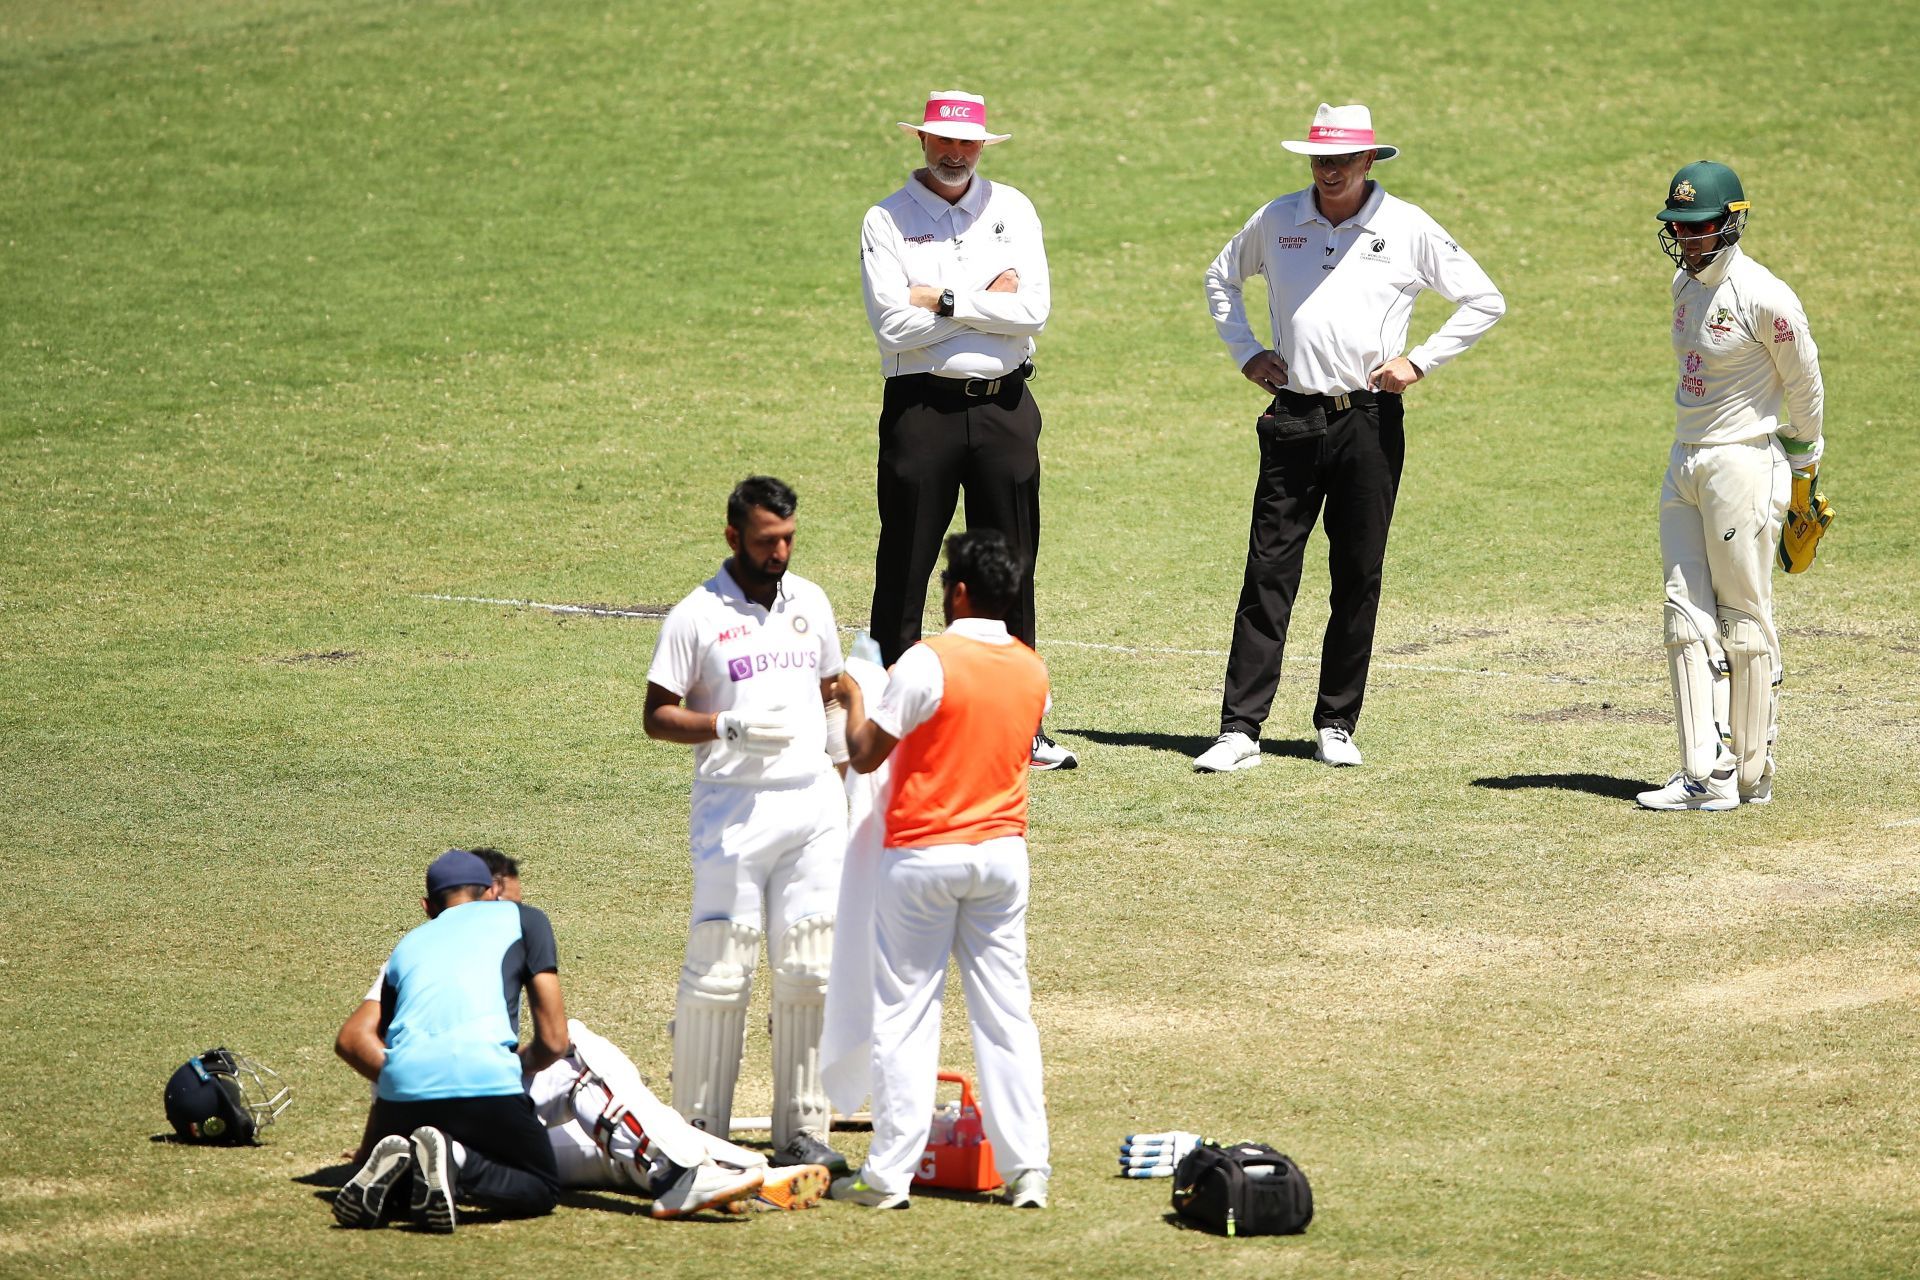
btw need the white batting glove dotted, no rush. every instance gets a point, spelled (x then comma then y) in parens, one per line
(1154, 1155)
(763, 732)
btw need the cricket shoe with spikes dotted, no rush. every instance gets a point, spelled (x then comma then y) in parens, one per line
(707, 1186)
(794, 1186)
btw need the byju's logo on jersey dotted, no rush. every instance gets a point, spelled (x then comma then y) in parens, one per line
(749, 665)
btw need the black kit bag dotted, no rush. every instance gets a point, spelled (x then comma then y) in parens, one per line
(1246, 1189)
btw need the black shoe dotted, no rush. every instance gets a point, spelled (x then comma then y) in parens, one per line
(807, 1149)
(363, 1202)
(432, 1180)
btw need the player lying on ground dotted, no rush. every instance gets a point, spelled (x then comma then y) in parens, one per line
(607, 1129)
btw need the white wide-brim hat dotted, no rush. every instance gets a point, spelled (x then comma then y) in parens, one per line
(953, 114)
(1339, 131)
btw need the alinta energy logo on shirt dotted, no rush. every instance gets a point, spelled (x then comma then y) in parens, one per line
(748, 665)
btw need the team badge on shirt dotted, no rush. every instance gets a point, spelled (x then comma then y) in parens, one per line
(800, 623)
(1720, 323)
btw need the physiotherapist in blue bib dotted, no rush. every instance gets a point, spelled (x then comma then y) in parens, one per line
(450, 1108)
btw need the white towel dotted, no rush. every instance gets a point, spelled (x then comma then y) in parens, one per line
(846, 1044)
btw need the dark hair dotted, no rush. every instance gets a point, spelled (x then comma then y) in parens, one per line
(497, 862)
(759, 491)
(982, 559)
(453, 896)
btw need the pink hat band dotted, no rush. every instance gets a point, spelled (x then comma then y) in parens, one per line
(1360, 139)
(956, 111)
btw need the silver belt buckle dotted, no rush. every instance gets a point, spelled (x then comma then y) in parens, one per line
(984, 388)
(1342, 401)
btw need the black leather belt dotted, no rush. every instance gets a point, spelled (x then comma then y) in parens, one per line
(974, 388)
(1332, 404)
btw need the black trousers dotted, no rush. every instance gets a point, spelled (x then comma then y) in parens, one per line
(1315, 458)
(509, 1164)
(935, 441)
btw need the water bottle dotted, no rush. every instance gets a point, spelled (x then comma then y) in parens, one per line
(865, 646)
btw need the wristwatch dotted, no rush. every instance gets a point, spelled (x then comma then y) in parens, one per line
(946, 303)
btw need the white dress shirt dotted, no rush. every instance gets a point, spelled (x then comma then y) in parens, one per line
(1340, 297)
(1745, 353)
(914, 237)
(722, 652)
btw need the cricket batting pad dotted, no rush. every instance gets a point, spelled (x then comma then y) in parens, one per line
(799, 1016)
(1694, 670)
(1808, 515)
(710, 1021)
(1750, 668)
(614, 1104)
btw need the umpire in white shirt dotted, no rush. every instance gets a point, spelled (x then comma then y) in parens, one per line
(955, 278)
(1343, 262)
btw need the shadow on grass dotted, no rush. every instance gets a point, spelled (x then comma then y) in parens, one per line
(1597, 784)
(1173, 1219)
(1185, 744)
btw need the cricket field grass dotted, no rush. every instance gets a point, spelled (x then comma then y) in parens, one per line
(324, 324)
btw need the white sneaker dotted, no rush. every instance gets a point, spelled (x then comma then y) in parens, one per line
(1336, 747)
(856, 1191)
(1717, 794)
(706, 1186)
(1048, 754)
(1762, 792)
(1230, 751)
(1028, 1190)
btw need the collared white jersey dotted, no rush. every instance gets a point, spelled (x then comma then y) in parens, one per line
(722, 652)
(1340, 297)
(1745, 352)
(915, 237)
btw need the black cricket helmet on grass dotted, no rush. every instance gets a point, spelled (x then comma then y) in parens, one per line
(224, 1098)
(1704, 191)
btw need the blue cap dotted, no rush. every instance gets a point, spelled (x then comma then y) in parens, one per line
(455, 869)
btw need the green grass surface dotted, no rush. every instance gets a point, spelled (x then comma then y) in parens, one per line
(309, 311)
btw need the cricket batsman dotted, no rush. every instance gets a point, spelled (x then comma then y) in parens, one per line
(1740, 489)
(742, 673)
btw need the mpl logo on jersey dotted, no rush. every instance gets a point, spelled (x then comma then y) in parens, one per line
(748, 665)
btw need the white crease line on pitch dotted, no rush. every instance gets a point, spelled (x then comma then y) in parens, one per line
(1904, 822)
(601, 611)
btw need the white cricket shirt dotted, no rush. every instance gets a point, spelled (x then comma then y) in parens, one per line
(914, 237)
(720, 651)
(1745, 352)
(1340, 297)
